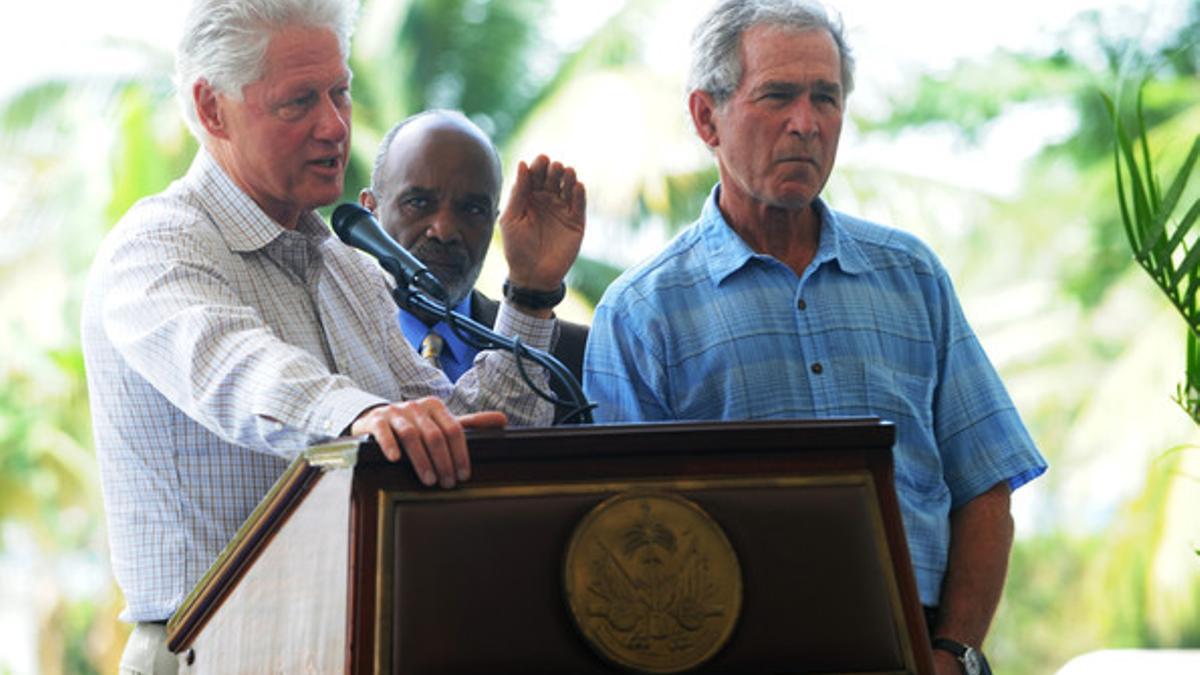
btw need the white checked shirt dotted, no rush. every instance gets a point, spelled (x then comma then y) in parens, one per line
(219, 344)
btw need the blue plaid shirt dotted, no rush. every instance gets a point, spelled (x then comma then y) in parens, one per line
(709, 329)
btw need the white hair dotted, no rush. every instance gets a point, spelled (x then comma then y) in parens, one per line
(225, 42)
(717, 66)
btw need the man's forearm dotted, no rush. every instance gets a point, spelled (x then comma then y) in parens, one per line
(494, 381)
(981, 535)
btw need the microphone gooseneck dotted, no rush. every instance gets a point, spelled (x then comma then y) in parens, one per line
(418, 289)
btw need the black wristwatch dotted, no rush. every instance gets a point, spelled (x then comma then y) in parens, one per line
(970, 660)
(532, 299)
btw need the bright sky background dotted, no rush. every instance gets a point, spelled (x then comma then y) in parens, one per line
(891, 40)
(889, 36)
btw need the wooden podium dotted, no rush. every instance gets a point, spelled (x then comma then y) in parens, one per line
(350, 565)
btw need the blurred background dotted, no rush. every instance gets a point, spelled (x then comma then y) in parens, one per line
(978, 126)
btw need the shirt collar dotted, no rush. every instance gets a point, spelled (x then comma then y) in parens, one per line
(244, 226)
(729, 253)
(415, 330)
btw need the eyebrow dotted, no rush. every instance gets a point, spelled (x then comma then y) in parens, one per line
(477, 197)
(827, 87)
(415, 190)
(299, 86)
(423, 191)
(791, 87)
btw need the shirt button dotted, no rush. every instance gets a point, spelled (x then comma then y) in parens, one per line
(817, 368)
(802, 304)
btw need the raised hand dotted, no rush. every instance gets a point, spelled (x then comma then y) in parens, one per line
(543, 224)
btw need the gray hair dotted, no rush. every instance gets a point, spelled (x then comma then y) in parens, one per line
(716, 55)
(381, 156)
(225, 42)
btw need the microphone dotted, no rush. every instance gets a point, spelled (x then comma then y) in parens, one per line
(356, 227)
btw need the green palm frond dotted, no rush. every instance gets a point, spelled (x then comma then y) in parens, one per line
(1187, 395)
(1163, 243)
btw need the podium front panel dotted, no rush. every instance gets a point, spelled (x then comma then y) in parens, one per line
(472, 580)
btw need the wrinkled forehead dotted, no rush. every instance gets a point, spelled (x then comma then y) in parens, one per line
(305, 54)
(769, 50)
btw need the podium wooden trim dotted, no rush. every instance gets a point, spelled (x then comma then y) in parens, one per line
(727, 464)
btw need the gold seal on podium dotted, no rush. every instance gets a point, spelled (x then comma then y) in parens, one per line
(652, 582)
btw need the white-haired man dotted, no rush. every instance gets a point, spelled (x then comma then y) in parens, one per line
(224, 328)
(773, 305)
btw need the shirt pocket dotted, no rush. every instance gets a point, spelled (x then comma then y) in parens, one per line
(907, 400)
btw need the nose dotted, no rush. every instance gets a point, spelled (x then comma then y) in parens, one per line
(443, 227)
(803, 118)
(333, 123)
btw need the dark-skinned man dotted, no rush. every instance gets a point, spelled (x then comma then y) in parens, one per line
(435, 189)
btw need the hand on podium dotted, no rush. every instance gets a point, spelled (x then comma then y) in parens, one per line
(433, 438)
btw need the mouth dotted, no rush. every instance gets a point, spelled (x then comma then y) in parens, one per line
(446, 257)
(328, 163)
(445, 267)
(456, 278)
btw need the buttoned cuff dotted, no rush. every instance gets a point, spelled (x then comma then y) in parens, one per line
(341, 407)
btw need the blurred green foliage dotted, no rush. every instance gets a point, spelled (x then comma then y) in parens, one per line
(1160, 236)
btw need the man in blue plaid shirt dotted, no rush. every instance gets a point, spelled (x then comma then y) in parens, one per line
(773, 305)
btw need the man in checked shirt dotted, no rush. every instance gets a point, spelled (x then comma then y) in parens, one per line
(224, 328)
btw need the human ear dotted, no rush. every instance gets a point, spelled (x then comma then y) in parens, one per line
(703, 110)
(366, 199)
(209, 109)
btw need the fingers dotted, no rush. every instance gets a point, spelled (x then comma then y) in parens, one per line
(374, 423)
(544, 175)
(554, 178)
(425, 430)
(567, 187)
(492, 419)
(579, 200)
(546, 194)
(518, 197)
(537, 172)
(455, 464)
(420, 436)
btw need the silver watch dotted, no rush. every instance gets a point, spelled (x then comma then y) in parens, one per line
(970, 659)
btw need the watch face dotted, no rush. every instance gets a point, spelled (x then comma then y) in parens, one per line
(970, 661)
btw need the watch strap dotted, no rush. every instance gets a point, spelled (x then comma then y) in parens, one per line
(947, 645)
(960, 651)
(527, 297)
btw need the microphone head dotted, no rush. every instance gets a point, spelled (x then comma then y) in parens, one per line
(344, 217)
(356, 227)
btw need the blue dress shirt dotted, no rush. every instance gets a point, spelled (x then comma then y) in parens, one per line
(457, 356)
(710, 330)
